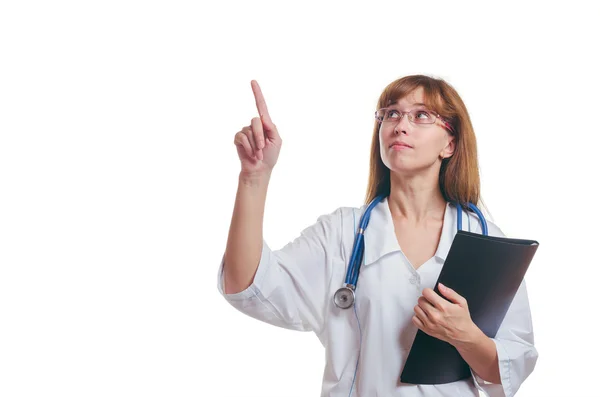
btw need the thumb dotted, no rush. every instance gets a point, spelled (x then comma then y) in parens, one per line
(452, 295)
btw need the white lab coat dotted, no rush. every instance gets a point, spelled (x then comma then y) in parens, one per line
(294, 287)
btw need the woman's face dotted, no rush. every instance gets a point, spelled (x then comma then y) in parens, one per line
(426, 142)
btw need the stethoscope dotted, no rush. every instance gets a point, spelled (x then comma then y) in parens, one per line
(344, 297)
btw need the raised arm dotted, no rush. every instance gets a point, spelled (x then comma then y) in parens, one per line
(258, 147)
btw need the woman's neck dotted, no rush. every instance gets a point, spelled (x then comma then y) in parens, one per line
(416, 199)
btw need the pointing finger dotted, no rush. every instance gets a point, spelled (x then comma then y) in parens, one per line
(261, 105)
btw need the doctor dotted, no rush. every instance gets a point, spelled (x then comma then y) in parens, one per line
(423, 159)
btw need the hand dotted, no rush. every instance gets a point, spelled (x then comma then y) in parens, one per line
(449, 321)
(258, 144)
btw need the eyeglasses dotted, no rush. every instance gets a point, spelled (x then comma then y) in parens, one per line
(415, 116)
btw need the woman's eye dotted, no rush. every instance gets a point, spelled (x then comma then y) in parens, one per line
(392, 113)
(423, 115)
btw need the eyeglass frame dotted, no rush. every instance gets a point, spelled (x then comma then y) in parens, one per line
(444, 122)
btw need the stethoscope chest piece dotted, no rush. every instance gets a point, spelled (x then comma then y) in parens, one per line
(344, 297)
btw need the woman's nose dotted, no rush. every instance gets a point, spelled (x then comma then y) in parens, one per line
(402, 125)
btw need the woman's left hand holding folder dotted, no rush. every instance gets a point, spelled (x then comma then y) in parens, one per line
(448, 320)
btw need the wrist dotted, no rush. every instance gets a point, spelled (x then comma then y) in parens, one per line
(472, 339)
(254, 179)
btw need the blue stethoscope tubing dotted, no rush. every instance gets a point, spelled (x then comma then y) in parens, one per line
(344, 297)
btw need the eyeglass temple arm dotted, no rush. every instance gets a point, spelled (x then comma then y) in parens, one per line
(446, 124)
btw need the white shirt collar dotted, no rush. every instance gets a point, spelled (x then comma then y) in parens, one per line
(380, 235)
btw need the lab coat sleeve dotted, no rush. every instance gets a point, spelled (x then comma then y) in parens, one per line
(290, 284)
(514, 341)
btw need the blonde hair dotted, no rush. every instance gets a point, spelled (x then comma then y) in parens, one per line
(459, 174)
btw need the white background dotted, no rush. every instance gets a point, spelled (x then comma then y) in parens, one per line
(118, 175)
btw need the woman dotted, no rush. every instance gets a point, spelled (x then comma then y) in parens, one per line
(423, 158)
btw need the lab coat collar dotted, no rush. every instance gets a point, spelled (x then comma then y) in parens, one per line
(380, 234)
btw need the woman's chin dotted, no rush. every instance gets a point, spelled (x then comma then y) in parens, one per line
(405, 167)
(402, 168)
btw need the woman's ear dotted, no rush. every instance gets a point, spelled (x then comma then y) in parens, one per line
(450, 147)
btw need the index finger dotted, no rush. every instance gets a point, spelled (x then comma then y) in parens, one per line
(261, 105)
(433, 298)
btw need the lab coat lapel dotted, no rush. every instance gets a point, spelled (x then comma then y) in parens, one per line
(380, 236)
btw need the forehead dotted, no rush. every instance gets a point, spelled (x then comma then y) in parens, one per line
(413, 98)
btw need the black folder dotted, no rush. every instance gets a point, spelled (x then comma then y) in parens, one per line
(487, 271)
